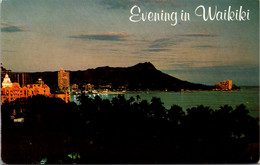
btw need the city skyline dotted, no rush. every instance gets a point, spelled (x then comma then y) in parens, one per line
(77, 35)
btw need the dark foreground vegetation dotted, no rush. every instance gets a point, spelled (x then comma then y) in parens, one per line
(126, 131)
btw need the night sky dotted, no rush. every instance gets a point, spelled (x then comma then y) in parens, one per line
(46, 35)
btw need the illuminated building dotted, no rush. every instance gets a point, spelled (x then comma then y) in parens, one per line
(63, 80)
(89, 87)
(75, 89)
(7, 82)
(225, 85)
(64, 96)
(12, 91)
(38, 89)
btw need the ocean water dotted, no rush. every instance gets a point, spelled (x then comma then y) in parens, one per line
(249, 96)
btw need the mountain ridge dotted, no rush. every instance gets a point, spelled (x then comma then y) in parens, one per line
(142, 76)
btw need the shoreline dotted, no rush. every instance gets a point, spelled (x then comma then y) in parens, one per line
(155, 91)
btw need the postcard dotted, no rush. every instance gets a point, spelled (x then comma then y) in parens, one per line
(129, 81)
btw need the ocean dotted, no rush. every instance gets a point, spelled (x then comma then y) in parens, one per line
(249, 96)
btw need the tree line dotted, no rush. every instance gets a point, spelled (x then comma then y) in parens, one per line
(125, 131)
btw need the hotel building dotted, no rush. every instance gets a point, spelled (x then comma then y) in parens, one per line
(63, 80)
(12, 91)
(225, 85)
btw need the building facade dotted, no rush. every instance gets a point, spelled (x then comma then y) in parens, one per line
(12, 91)
(63, 80)
(38, 89)
(64, 96)
(225, 85)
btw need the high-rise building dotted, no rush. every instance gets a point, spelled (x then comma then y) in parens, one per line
(63, 80)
